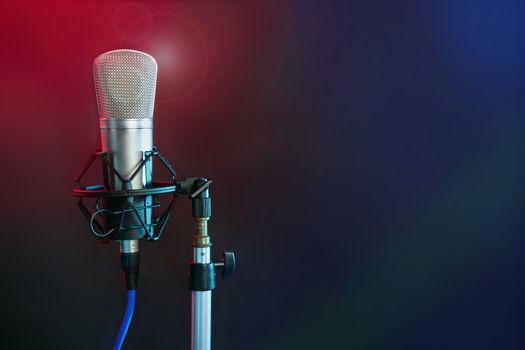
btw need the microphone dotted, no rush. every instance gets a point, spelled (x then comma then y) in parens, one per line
(124, 205)
(125, 82)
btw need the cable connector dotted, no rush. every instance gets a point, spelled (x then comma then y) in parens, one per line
(130, 262)
(130, 266)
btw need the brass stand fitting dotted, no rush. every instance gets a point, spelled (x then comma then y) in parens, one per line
(201, 238)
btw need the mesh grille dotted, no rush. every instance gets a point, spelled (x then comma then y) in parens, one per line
(125, 84)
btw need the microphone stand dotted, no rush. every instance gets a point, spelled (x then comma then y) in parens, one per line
(202, 268)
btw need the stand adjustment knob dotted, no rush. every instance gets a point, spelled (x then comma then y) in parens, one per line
(226, 264)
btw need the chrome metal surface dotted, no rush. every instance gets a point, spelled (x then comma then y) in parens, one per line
(125, 149)
(129, 246)
(201, 308)
(201, 320)
(106, 123)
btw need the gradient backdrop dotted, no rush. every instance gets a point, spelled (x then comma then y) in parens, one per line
(368, 160)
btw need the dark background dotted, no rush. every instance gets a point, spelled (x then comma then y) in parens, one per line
(368, 167)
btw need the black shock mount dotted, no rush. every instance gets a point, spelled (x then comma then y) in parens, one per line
(115, 215)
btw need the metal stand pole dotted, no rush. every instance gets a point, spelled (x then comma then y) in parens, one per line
(202, 268)
(201, 300)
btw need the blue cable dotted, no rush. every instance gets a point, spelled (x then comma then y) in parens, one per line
(128, 315)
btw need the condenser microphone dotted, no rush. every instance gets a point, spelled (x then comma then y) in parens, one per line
(125, 82)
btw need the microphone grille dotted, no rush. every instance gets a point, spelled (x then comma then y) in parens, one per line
(125, 83)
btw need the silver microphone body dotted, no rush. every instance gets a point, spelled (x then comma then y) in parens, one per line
(125, 83)
(126, 142)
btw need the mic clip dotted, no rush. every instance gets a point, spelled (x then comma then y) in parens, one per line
(119, 214)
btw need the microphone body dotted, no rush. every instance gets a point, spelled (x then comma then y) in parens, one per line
(126, 143)
(125, 82)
